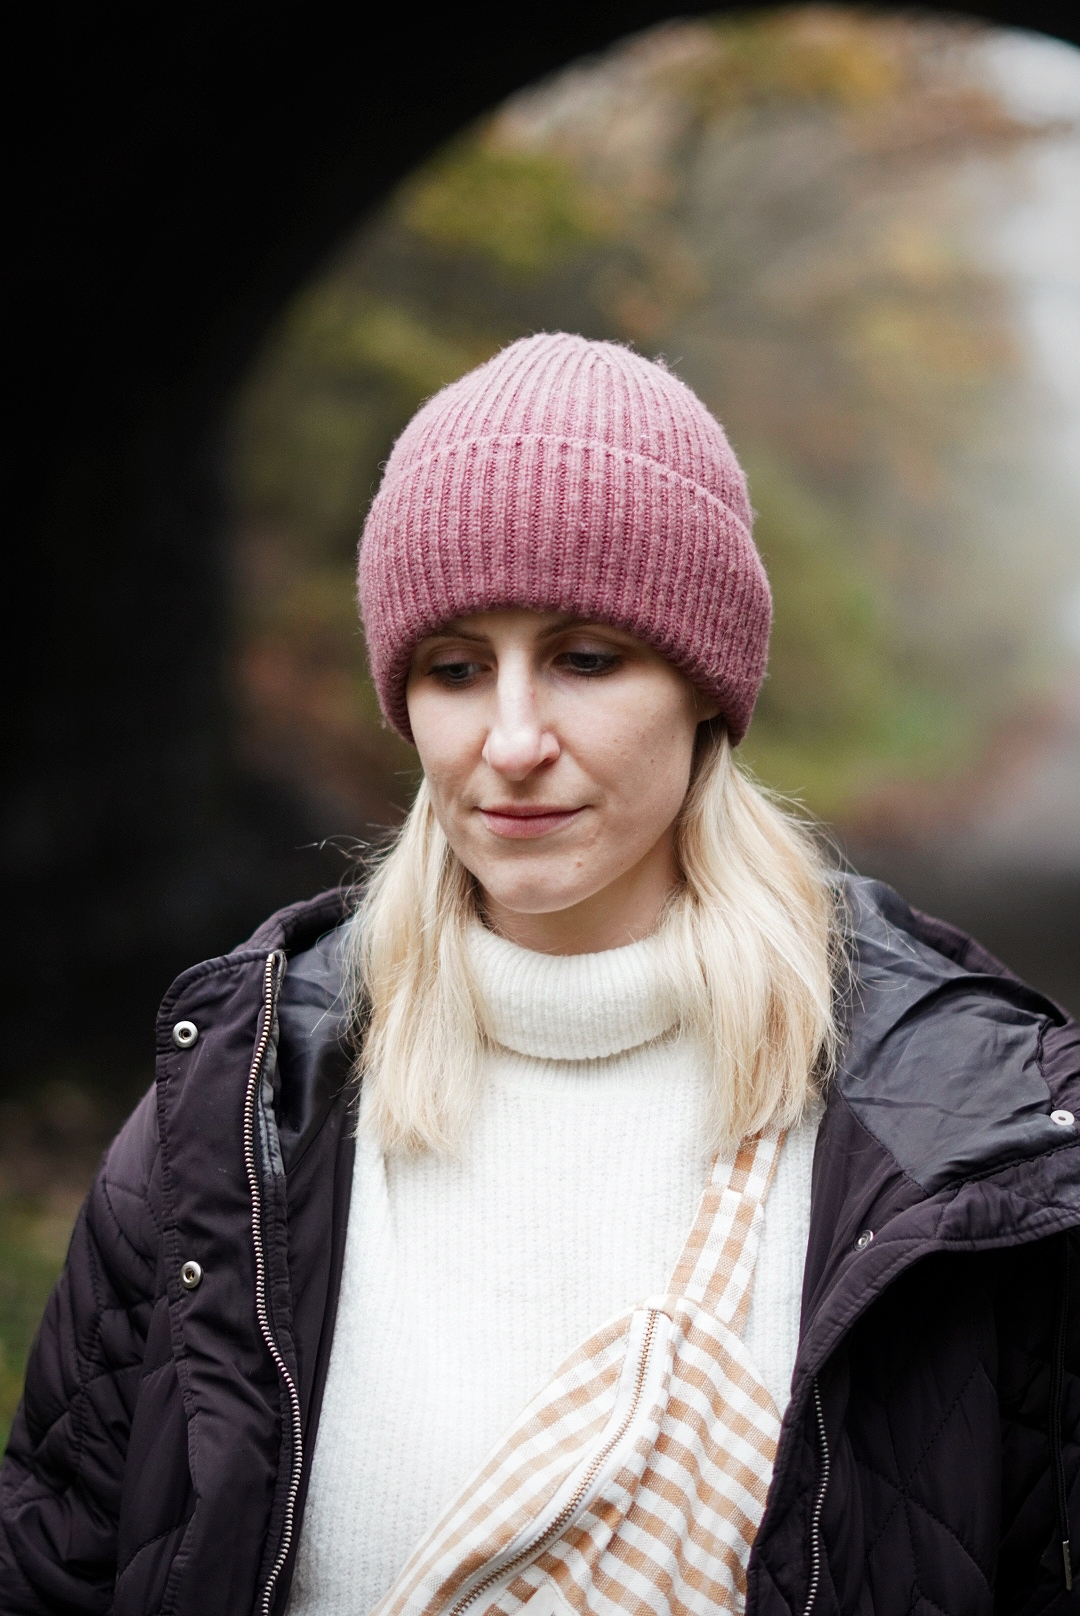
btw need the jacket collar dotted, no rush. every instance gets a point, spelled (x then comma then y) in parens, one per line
(937, 1133)
(314, 1057)
(942, 1060)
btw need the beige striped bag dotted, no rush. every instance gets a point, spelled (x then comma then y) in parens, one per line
(636, 1480)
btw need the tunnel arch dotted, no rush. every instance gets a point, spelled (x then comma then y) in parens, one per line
(180, 178)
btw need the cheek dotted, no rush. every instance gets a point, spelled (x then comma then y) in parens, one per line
(444, 740)
(642, 756)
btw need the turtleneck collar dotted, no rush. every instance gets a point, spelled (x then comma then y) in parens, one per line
(571, 1006)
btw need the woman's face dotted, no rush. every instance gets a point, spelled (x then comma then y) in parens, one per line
(558, 754)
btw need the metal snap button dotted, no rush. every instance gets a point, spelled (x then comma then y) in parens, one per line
(864, 1239)
(191, 1276)
(1064, 1119)
(184, 1034)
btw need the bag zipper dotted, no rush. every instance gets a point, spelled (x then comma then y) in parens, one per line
(571, 1507)
(271, 983)
(819, 1505)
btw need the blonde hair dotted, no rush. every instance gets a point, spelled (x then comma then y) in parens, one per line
(753, 943)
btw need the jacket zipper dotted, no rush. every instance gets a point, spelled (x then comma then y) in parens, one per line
(1057, 1387)
(271, 983)
(819, 1505)
(569, 1510)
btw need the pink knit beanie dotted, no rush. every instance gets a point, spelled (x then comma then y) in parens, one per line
(567, 475)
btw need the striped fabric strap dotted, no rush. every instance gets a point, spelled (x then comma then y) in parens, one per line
(636, 1481)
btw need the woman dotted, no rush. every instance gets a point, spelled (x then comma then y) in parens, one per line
(697, 1236)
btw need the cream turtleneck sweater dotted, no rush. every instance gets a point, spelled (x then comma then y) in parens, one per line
(468, 1279)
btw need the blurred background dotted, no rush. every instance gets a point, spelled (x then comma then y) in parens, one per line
(856, 234)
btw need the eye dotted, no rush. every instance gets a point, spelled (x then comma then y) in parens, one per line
(589, 664)
(453, 672)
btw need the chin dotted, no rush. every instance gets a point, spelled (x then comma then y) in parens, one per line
(535, 899)
(538, 905)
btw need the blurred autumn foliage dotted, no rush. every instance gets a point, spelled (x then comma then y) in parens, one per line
(794, 208)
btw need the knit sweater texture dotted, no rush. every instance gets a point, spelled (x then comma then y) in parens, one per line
(468, 1279)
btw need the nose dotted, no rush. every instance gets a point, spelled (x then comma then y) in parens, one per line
(518, 739)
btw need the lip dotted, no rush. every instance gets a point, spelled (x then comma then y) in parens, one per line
(523, 823)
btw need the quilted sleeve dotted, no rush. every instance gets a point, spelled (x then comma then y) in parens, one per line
(61, 1478)
(1039, 1388)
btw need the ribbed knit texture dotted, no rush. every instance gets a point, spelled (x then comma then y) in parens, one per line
(574, 476)
(468, 1280)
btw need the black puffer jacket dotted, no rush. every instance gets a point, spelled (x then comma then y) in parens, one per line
(929, 1461)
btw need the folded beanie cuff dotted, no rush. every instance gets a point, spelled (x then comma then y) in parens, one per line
(555, 524)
